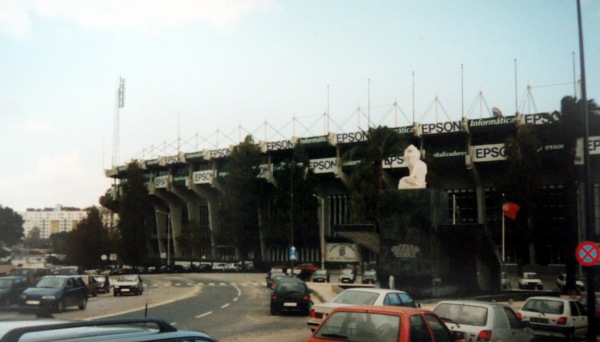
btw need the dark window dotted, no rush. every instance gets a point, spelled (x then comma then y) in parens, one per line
(418, 330)
(438, 328)
(513, 320)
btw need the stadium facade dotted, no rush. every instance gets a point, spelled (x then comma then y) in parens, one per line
(466, 158)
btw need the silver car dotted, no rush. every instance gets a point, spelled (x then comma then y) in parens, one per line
(483, 321)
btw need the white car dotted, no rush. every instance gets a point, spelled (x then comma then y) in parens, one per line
(530, 280)
(483, 321)
(128, 284)
(555, 317)
(561, 282)
(359, 296)
(347, 276)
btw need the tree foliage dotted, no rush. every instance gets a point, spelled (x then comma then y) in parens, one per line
(294, 207)
(239, 204)
(381, 143)
(136, 217)
(521, 182)
(11, 226)
(80, 251)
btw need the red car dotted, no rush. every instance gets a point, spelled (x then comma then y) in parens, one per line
(383, 324)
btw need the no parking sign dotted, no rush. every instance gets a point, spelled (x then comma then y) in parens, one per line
(587, 253)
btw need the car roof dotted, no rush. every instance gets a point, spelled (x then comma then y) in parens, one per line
(95, 330)
(13, 277)
(550, 298)
(394, 310)
(471, 302)
(372, 289)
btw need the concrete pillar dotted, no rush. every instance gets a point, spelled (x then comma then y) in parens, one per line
(211, 195)
(175, 212)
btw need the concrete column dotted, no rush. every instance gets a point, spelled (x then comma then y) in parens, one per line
(211, 196)
(175, 212)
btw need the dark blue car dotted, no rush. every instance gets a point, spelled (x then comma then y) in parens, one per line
(56, 293)
(10, 289)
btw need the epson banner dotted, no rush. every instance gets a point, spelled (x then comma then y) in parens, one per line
(488, 153)
(219, 153)
(394, 162)
(202, 177)
(541, 118)
(593, 147)
(441, 127)
(161, 182)
(324, 165)
(266, 146)
(352, 137)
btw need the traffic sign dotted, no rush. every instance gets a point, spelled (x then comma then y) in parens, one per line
(587, 253)
(293, 253)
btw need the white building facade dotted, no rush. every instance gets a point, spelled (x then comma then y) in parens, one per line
(51, 220)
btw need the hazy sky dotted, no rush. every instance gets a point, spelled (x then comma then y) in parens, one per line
(210, 72)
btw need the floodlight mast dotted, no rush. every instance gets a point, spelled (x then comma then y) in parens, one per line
(119, 103)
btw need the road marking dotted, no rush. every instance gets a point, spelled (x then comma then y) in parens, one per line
(235, 299)
(204, 314)
(224, 306)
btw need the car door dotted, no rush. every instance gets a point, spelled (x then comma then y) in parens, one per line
(70, 292)
(578, 317)
(518, 331)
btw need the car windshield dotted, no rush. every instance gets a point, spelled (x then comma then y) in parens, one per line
(51, 282)
(548, 306)
(360, 326)
(128, 278)
(99, 279)
(463, 314)
(320, 272)
(356, 298)
(347, 271)
(290, 287)
(531, 276)
(5, 283)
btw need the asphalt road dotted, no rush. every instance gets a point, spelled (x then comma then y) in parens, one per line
(227, 306)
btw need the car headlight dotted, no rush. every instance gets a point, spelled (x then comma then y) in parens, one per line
(51, 297)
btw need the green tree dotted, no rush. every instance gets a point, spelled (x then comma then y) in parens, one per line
(294, 208)
(79, 251)
(521, 182)
(58, 242)
(240, 201)
(381, 143)
(136, 216)
(34, 240)
(11, 226)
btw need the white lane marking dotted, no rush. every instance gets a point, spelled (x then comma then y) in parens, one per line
(224, 306)
(238, 290)
(204, 314)
(235, 299)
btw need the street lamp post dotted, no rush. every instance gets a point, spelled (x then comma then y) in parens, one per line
(322, 230)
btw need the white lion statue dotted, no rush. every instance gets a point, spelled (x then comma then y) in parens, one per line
(417, 170)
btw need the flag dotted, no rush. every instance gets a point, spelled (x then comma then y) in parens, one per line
(510, 210)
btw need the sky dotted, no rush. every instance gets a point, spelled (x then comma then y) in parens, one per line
(204, 74)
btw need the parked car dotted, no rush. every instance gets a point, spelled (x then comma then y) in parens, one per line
(91, 283)
(383, 324)
(561, 282)
(321, 275)
(33, 274)
(46, 328)
(291, 295)
(369, 276)
(347, 276)
(10, 289)
(272, 275)
(530, 280)
(359, 296)
(483, 321)
(555, 317)
(56, 293)
(128, 284)
(103, 283)
(583, 301)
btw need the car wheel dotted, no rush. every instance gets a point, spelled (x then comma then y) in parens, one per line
(83, 304)
(273, 311)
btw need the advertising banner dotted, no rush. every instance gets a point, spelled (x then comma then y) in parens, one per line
(323, 165)
(342, 252)
(202, 177)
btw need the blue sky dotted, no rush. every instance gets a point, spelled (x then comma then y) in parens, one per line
(210, 72)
